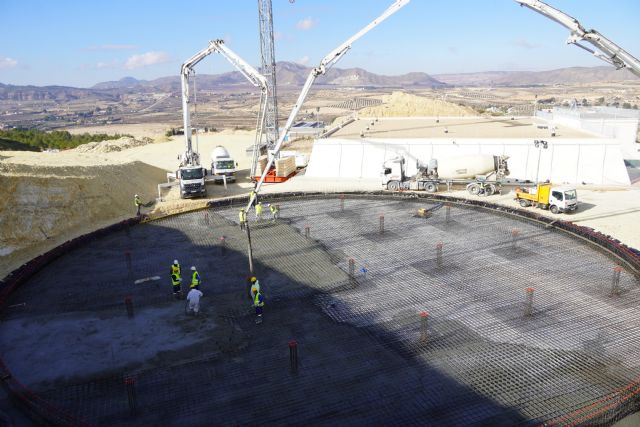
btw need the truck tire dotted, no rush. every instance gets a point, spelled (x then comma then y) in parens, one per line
(393, 186)
(473, 189)
(554, 209)
(490, 189)
(430, 187)
(524, 203)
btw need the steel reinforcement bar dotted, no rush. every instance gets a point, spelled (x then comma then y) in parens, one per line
(612, 406)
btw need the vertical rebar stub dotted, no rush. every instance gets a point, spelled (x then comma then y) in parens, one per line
(128, 302)
(528, 308)
(439, 254)
(381, 223)
(424, 318)
(448, 213)
(130, 384)
(293, 356)
(306, 231)
(615, 283)
(352, 267)
(342, 202)
(206, 218)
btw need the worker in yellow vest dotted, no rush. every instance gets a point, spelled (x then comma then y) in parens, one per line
(259, 212)
(258, 303)
(195, 278)
(255, 287)
(175, 268)
(242, 216)
(176, 282)
(138, 203)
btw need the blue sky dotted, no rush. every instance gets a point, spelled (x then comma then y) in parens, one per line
(80, 43)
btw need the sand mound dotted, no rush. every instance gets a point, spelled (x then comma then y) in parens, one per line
(45, 204)
(114, 145)
(400, 104)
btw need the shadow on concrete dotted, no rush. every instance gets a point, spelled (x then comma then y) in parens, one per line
(237, 372)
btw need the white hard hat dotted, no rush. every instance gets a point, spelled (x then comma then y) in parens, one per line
(193, 267)
(137, 195)
(175, 261)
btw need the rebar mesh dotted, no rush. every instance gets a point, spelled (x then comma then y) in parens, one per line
(485, 359)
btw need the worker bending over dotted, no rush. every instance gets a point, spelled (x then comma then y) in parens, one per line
(193, 301)
(275, 211)
(254, 288)
(176, 281)
(242, 216)
(195, 278)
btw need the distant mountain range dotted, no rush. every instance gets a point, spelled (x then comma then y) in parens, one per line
(292, 75)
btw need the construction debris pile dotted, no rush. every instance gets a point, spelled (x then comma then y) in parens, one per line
(109, 146)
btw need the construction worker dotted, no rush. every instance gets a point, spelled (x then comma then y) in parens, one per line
(275, 211)
(195, 278)
(243, 218)
(176, 280)
(258, 303)
(193, 300)
(175, 268)
(138, 203)
(255, 287)
(259, 212)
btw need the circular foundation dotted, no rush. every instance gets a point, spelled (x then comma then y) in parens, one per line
(449, 316)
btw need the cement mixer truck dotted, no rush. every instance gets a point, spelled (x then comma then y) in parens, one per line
(482, 174)
(222, 165)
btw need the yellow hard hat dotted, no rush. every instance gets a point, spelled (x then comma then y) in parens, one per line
(253, 279)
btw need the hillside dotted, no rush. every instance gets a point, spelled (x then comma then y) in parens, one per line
(571, 75)
(400, 104)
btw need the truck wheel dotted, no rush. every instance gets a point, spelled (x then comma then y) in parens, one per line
(491, 189)
(554, 209)
(524, 203)
(430, 187)
(473, 189)
(393, 186)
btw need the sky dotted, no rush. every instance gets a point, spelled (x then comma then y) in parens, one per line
(81, 43)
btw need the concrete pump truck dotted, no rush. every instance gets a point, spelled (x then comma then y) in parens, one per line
(191, 174)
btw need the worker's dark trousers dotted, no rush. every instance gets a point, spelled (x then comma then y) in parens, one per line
(138, 213)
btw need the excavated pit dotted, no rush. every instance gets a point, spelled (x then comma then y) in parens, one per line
(365, 353)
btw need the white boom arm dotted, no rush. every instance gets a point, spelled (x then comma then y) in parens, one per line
(189, 157)
(608, 50)
(326, 63)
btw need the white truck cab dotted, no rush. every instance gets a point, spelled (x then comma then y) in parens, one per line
(564, 199)
(222, 165)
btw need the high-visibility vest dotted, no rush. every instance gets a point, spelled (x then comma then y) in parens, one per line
(243, 216)
(195, 279)
(259, 209)
(175, 279)
(175, 269)
(256, 300)
(272, 208)
(137, 201)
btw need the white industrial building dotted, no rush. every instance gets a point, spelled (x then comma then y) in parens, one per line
(572, 156)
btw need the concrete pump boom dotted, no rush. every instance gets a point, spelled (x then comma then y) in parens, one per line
(326, 63)
(190, 158)
(608, 50)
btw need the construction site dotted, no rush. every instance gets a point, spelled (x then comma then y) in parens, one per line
(416, 264)
(373, 314)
